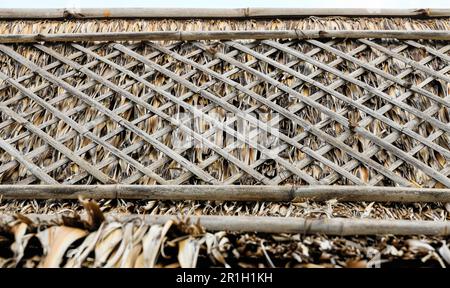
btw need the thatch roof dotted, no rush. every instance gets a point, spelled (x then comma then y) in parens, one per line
(335, 110)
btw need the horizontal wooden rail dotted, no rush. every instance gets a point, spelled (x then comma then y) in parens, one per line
(264, 224)
(226, 35)
(242, 13)
(227, 193)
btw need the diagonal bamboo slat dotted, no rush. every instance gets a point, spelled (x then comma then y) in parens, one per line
(366, 110)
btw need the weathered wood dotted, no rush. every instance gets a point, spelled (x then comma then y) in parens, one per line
(35, 170)
(228, 35)
(265, 224)
(118, 119)
(306, 125)
(82, 131)
(361, 130)
(56, 145)
(187, 164)
(207, 13)
(227, 193)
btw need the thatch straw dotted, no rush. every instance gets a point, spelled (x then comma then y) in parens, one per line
(96, 242)
(424, 162)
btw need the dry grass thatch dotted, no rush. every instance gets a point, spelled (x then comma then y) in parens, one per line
(332, 142)
(98, 243)
(352, 129)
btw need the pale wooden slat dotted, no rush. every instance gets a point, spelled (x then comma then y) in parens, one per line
(301, 122)
(35, 170)
(232, 83)
(55, 144)
(221, 35)
(83, 131)
(388, 76)
(184, 162)
(407, 61)
(270, 224)
(103, 110)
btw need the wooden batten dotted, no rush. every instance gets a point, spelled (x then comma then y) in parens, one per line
(226, 193)
(266, 224)
(226, 35)
(218, 13)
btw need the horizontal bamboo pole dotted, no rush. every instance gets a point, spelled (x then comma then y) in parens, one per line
(264, 224)
(239, 13)
(226, 193)
(227, 35)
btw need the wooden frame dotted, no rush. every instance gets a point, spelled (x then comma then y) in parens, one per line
(227, 193)
(225, 35)
(236, 13)
(294, 225)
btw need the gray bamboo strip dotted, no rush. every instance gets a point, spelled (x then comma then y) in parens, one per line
(228, 35)
(83, 131)
(223, 104)
(184, 162)
(314, 130)
(55, 144)
(77, 109)
(407, 61)
(227, 193)
(217, 13)
(187, 164)
(268, 224)
(430, 50)
(119, 129)
(370, 89)
(388, 76)
(333, 226)
(232, 83)
(230, 107)
(389, 147)
(301, 105)
(184, 177)
(35, 170)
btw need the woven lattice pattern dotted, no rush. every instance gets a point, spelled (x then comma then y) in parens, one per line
(365, 112)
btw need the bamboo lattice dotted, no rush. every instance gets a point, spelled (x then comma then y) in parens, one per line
(270, 112)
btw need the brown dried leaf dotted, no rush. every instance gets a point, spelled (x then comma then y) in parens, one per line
(55, 241)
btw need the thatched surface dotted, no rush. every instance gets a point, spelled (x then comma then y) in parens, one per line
(416, 156)
(142, 25)
(99, 243)
(360, 125)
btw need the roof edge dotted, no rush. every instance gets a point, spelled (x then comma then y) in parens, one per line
(217, 13)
